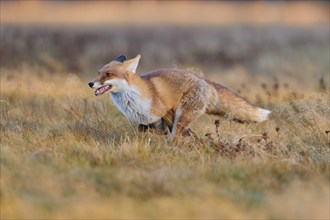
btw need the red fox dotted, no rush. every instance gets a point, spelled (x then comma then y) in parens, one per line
(175, 97)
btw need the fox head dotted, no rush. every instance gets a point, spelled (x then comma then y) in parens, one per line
(115, 75)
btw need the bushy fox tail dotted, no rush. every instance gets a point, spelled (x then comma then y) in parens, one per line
(224, 102)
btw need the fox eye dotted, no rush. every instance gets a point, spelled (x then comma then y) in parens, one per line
(108, 74)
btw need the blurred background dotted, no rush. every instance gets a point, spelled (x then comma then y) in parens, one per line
(250, 38)
(62, 158)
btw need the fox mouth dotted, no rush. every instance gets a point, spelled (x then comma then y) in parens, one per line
(102, 90)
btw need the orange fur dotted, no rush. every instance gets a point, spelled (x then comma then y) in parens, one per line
(177, 97)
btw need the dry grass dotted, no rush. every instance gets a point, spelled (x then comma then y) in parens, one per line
(68, 154)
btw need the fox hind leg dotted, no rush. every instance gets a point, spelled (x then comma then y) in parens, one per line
(181, 121)
(191, 106)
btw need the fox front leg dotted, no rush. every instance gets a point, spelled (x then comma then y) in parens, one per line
(159, 127)
(144, 128)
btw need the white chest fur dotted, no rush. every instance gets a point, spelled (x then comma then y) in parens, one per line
(129, 102)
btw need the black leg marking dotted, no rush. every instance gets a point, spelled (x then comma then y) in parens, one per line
(170, 127)
(143, 128)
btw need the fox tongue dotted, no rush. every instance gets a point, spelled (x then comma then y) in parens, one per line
(102, 90)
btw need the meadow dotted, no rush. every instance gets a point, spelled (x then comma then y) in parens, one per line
(68, 154)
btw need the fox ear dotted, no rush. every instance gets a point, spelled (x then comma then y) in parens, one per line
(132, 64)
(121, 58)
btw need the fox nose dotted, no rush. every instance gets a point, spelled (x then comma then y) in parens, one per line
(91, 84)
